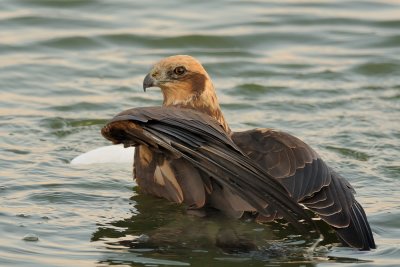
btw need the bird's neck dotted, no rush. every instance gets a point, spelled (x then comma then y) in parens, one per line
(206, 102)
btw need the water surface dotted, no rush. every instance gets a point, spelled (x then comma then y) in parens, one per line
(326, 71)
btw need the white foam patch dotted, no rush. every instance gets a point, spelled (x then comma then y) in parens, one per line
(106, 154)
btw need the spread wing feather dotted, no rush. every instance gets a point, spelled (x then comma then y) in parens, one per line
(309, 181)
(188, 136)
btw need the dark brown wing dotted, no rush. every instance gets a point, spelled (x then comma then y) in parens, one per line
(185, 134)
(309, 181)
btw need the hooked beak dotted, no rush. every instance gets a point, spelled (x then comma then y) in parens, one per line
(148, 82)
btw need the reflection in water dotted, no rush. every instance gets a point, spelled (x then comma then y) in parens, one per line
(159, 232)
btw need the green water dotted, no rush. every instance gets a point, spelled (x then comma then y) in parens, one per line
(326, 71)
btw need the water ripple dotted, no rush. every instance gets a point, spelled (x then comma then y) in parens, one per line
(326, 71)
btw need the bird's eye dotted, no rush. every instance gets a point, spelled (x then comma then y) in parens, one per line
(180, 70)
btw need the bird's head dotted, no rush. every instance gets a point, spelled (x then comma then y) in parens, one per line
(181, 79)
(185, 83)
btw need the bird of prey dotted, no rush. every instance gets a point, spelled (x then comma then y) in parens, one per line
(187, 153)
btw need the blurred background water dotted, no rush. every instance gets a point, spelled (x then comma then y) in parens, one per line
(326, 71)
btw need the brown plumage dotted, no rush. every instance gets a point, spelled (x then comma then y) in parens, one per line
(187, 153)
